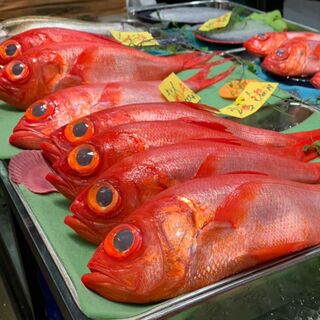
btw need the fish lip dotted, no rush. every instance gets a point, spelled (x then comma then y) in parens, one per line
(61, 185)
(27, 139)
(50, 150)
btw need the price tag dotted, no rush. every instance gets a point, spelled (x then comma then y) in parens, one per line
(216, 23)
(253, 97)
(175, 90)
(135, 39)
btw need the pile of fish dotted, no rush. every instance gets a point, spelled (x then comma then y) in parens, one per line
(175, 197)
(293, 54)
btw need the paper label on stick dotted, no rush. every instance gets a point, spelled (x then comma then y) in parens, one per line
(253, 97)
(175, 90)
(216, 23)
(135, 39)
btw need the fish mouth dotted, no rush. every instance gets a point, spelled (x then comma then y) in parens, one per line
(28, 139)
(61, 185)
(50, 151)
(82, 230)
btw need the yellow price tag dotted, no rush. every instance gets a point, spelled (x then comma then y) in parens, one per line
(253, 97)
(175, 90)
(216, 23)
(135, 39)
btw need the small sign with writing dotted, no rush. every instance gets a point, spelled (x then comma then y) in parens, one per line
(135, 39)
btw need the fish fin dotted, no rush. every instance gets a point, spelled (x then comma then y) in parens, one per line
(197, 61)
(207, 124)
(30, 169)
(273, 252)
(234, 208)
(310, 136)
(201, 107)
(82, 230)
(199, 81)
(68, 81)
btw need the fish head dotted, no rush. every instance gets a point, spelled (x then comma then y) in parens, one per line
(145, 258)
(36, 125)
(73, 134)
(264, 43)
(31, 76)
(9, 49)
(287, 60)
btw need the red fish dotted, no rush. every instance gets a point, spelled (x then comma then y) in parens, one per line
(56, 110)
(46, 69)
(266, 43)
(15, 46)
(136, 179)
(316, 80)
(180, 242)
(294, 58)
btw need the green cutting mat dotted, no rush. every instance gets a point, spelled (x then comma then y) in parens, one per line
(50, 210)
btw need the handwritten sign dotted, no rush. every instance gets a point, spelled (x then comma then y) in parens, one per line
(253, 97)
(175, 90)
(216, 23)
(135, 39)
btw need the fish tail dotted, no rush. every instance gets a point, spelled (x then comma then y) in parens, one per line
(311, 136)
(200, 81)
(196, 60)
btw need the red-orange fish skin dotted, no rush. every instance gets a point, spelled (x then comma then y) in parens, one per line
(299, 58)
(15, 46)
(315, 80)
(264, 44)
(138, 178)
(52, 67)
(176, 255)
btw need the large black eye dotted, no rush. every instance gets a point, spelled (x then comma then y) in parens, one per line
(80, 129)
(17, 69)
(39, 109)
(262, 36)
(11, 49)
(280, 52)
(84, 156)
(123, 240)
(104, 196)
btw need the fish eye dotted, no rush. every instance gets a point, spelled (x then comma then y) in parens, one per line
(84, 159)
(281, 54)
(39, 110)
(102, 198)
(9, 50)
(262, 37)
(79, 130)
(122, 241)
(17, 70)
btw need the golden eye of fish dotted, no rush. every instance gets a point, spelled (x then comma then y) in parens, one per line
(17, 70)
(38, 111)
(122, 241)
(103, 199)
(84, 159)
(10, 50)
(79, 130)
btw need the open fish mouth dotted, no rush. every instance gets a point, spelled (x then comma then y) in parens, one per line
(28, 139)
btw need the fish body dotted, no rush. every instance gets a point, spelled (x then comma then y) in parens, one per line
(296, 58)
(265, 43)
(15, 46)
(43, 70)
(86, 161)
(67, 105)
(161, 250)
(315, 80)
(138, 178)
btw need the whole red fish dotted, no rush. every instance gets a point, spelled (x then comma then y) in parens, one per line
(136, 179)
(266, 43)
(294, 58)
(316, 80)
(15, 46)
(46, 69)
(59, 108)
(182, 241)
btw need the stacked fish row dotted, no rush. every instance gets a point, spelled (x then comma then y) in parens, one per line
(293, 54)
(175, 197)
